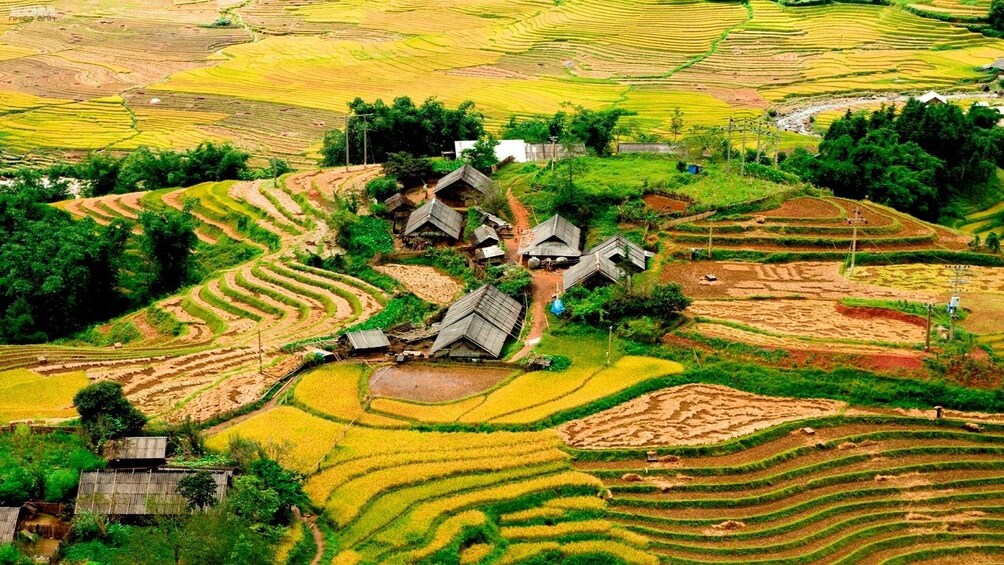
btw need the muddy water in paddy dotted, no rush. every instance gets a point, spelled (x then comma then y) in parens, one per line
(434, 383)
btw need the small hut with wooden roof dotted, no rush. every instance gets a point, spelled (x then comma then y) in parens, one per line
(436, 221)
(556, 238)
(132, 492)
(461, 185)
(484, 236)
(367, 341)
(398, 208)
(491, 255)
(592, 271)
(478, 325)
(9, 517)
(146, 452)
(622, 251)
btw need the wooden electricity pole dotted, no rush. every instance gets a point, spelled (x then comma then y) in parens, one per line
(728, 166)
(927, 337)
(958, 281)
(348, 120)
(854, 221)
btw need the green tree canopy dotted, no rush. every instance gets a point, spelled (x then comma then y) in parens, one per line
(105, 413)
(168, 241)
(199, 489)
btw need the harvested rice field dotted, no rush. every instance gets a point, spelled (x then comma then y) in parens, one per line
(122, 75)
(428, 283)
(434, 383)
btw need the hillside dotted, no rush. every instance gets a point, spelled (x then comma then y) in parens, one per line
(273, 77)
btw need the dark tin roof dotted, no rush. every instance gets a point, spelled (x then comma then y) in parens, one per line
(486, 317)
(615, 246)
(137, 448)
(489, 252)
(368, 339)
(397, 200)
(556, 237)
(589, 266)
(469, 175)
(8, 523)
(139, 492)
(434, 212)
(484, 234)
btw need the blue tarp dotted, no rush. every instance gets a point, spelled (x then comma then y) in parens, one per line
(557, 307)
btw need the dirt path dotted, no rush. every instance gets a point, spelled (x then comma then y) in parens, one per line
(318, 539)
(544, 282)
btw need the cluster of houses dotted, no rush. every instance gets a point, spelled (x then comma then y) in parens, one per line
(136, 483)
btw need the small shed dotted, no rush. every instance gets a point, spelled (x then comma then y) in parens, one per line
(398, 208)
(478, 325)
(553, 239)
(137, 452)
(592, 271)
(484, 236)
(367, 341)
(435, 220)
(932, 98)
(460, 185)
(501, 226)
(491, 255)
(132, 492)
(620, 249)
(9, 517)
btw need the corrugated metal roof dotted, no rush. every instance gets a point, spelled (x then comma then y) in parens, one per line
(444, 218)
(137, 448)
(614, 249)
(397, 200)
(491, 303)
(368, 339)
(486, 317)
(556, 237)
(588, 266)
(477, 331)
(139, 493)
(483, 235)
(8, 523)
(467, 175)
(489, 252)
(493, 219)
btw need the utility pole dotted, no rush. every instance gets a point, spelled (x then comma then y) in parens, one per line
(348, 120)
(856, 219)
(610, 343)
(711, 232)
(927, 337)
(958, 281)
(728, 166)
(554, 150)
(261, 359)
(365, 131)
(742, 150)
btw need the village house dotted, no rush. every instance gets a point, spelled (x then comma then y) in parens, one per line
(435, 221)
(9, 516)
(623, 252)
(592, 271)
(461, 185)
(398, 209)
(139, 492)
(478, 325)
(367, 341)
(491, 255)
(484, 236)
(145, 452)
(555, 239)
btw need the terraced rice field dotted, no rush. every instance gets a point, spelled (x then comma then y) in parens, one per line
(858, 490)
(155, 73)
(819, 225)
(233, 326)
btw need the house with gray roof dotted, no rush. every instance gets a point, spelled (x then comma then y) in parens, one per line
(484, 236)
(365, 341)
(478, 325)
(398, 208)
(592, 271)
(553, 239)
(140, 492)
(462, 184)
(136, 452)
(435, 220)
(9, 516)
(620, 250)
(997, 66)
(491, 255)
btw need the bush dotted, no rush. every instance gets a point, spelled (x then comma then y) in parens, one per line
(382, 188)
(642, 330)
(512, 279)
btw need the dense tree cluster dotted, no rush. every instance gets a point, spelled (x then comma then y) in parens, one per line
(149, 169)
(106, 414)
(915, 160)
(59, 275)
(424, 130)
(593, 128)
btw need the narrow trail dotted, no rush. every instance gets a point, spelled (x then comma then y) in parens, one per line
(543, 281)
(318, 540)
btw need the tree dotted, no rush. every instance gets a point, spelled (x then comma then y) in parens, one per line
(199, 489)
(407, 168)
(993, 242)
(168, 241)
(105, 413)
(101, 171)
(676, 123)
(382, 188)
(595, 128)
(333, 148)
(482, 156)
(995, 17)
